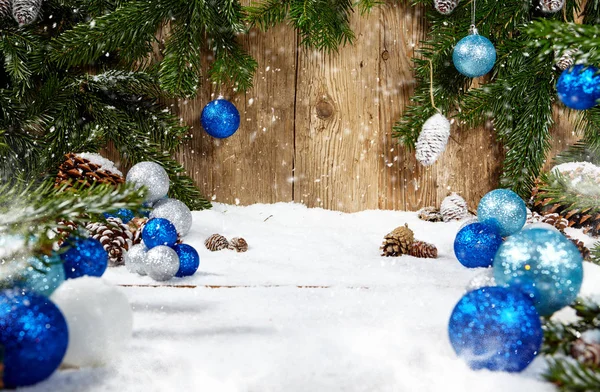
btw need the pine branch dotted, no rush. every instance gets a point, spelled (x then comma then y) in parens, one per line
(595, 254)
(571, 376)
(554, 188)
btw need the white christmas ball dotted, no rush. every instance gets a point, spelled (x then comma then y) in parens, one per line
(151, 175)
(135, 259)
(162, 263)
(99, 318)
(176, 212)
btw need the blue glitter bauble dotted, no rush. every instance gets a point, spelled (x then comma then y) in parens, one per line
(220, 118)
(34, 335)
(579, 87)
(503, 208)
(123, 213)
(42, 275)
(542, 263)
(189, 260)
(496, 328)
(85, 257)
(476, 244)
(474, 56)
(159, 231)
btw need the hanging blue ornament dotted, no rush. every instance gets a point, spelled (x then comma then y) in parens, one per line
(542, 263)
(503, 208)
(34, 335)
(579, 87)
(85, 257)
(159, 231)
(476, 245)
(474, 55)
(42, 275)
(122, 213)
(220, 118)
(189, 260)
(496, 328)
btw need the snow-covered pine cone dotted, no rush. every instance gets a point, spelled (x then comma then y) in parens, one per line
(586, 353)
(115, 237)
(238, 244)
(454, 207)
(64, 229)
(423, 250)
(398, 242)
(432, 140)
(80, 168)
(26, 11)
(565, 59)
(5, 8)
(553, 219)
(430, 214)
(135, 227)
(216, 242)
(551, 6)
(445, 7)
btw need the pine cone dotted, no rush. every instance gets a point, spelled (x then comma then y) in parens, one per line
(238, 244)
(26, 11)
(423, 250)
(564, 60)
(114, 236)
(398, 242)
(454, 207)
(432, 140)
(78, 169)
(445, 7)
(64, 230)
(552, 219)
(135, 227)
(585, 252)
(551, 6)
(5, 8)
(586, 353)
(430, 214)
(216, 242)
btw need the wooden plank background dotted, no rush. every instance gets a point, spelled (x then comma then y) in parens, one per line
(316, 129)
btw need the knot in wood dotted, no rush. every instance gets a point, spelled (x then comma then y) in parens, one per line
(325, 110)
(385, 55)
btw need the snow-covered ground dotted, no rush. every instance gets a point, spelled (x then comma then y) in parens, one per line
(314, 307)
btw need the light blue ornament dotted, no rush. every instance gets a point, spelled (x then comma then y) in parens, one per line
(579, 87)
(542, 263)
(220, 119)
(474, 55)
(503, 208)
(42, 275)
(476, 244)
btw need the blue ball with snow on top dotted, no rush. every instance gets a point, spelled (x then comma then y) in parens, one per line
(220, 118)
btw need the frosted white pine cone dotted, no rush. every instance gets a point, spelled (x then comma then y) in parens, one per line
(433, 139)
(565, 60)
(5, 8)
(26, 11)
(454, 207)
(445, 7)
(551, 6)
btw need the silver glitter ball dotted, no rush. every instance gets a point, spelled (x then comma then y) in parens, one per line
(483, 279)
(151, 175)
(162, 263)
(176, 212)
(135, 259)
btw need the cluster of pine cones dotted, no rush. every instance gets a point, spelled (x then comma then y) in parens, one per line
(453, 208)
(218, 242)
(401, 241)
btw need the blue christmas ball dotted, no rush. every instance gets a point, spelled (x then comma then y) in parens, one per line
(34, 335)
(579, 87)
(85, 257)
(159, 231)
(542, 263)
(122, 213)
(503, 208)
(476, 245)
(496, 328)
(189, 260)
(220, 118)
(42, 275)
(474, 56)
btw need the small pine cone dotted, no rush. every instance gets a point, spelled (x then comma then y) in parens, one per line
(238, 244)
(423, 250)
(553, 219)
(551, 6)
(454, 207)
(398, 242)
(76, 169)
(565, 60)
(585, 252)
(432, 140)
(135, 227)
(5, 8)
(445, 7)
(26, 11)
(216, 242)
(586, 353)
(64, 230)
(114, 236)
(430, 214)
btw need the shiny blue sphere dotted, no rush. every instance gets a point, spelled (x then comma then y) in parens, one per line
(496, 328)
(42, 275)
(504, 208)
(579, 87)
(220, 118)
(542, 263)
(85, 257)
(122, 213)
(476, 244)
(189, 260)
(474, 56)
(34, 335)
(159, 231)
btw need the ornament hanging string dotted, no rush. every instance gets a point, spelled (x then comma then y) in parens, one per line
(431, 86)
(473, 14)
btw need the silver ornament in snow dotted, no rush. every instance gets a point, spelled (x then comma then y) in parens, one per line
(135, 259)
(162, 263)
(483, 279)
(551, 6)
(433, 139)
(152, 176)
(445, 7)
(176, 212)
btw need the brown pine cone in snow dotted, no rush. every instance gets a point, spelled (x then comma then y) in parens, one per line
(238, 244)
(216, 242)
(398, 242)
(430, 214)
(586, 353)
(585, 252)
(64, 230)
(114, 236)
(552, 219)
(135, 227)
(423, 250)
(454, 207)
(87, 169)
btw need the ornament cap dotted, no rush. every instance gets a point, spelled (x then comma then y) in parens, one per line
(473, 30)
